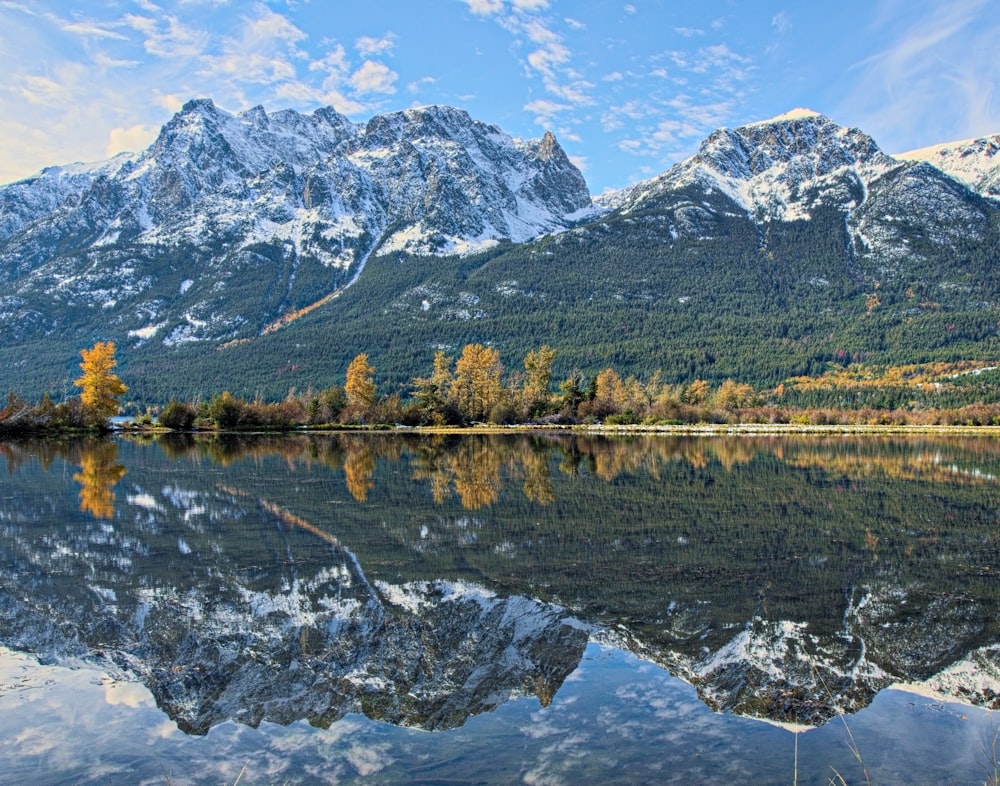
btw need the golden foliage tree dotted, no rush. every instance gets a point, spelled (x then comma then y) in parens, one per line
(360, 385)
(100, 386)
(610, 393)
(431, 393)
(537, 378)
(476, 388)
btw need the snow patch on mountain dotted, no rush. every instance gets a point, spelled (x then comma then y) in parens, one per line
(974, 162)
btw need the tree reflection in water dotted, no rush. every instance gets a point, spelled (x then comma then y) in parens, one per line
(99, 472)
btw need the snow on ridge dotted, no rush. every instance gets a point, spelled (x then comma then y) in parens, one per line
(794, 114)
(974, 162)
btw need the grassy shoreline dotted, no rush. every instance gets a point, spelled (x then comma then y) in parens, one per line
(695, 429)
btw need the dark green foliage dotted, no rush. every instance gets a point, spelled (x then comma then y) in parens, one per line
(178, 415)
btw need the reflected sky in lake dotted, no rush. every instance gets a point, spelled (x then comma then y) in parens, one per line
(312, 606)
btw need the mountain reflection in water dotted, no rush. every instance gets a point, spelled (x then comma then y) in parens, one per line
(424, 579)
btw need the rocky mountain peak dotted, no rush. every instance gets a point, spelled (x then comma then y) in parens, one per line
(548, 148)
(773, 169)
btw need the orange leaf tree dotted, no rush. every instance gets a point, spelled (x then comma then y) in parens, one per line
(100, 386)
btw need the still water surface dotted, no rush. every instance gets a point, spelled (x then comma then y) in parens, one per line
(494, 609)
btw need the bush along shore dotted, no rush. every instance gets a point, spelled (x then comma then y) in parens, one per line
(475, 390)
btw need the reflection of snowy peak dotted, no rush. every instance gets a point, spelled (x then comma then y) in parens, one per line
(217, 634)
(784, 671)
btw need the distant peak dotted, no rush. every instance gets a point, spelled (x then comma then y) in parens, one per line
(196, 104)
(795, 114)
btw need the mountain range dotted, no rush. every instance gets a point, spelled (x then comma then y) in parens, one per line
(260, 251)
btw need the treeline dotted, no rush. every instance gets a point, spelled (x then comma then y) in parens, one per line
(475, 388)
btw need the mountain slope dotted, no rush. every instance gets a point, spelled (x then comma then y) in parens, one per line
(780, 247)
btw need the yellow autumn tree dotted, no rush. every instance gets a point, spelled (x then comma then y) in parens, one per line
(537, 378)
(100, 386)
(360, 385)
(476, 388)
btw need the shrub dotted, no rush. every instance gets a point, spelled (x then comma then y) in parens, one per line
(177, 415)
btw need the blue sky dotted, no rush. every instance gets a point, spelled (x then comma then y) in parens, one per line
(628, 87)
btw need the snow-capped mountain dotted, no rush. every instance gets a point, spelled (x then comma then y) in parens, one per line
(801, 165)
(975, 162)
(422, 180)
(774, 170)
(277, 209)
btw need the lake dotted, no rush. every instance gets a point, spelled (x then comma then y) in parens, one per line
(539, 608)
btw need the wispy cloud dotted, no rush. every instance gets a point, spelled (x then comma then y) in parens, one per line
(92, 30)
(546, 56)
(168, 37)
(485, 7)
(938, 69)
(781, 22)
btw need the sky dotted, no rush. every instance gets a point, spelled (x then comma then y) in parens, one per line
(629, 87)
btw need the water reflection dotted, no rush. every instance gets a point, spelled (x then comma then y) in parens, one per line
(99, 472)
(422, 580)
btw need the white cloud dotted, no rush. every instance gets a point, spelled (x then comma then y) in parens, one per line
(91, 30)
(104, 62)
(270, 29)
(530, 5)
(629, 8)
(367, 46)
(485, 7)
(133, 139)
(171, 103)
(264, 52)
(415, 86)
(67, 81)
(175, 41)
(24, 9)
(374, 77)
(545, 111)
